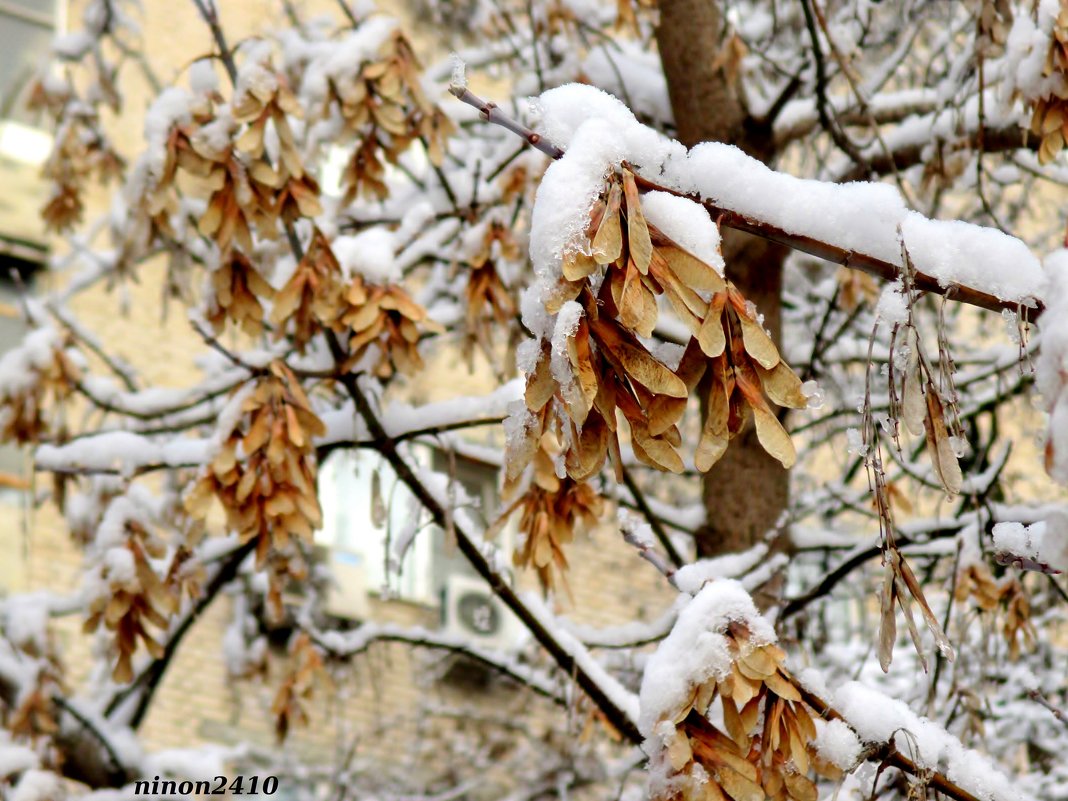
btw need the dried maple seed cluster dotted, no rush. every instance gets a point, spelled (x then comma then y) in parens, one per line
(995, 21)
(384, 108)
(317, 294)
(386, 315)
(766, 752)
(33, 712)
(553, 509)
(1049, 116)
(79, 156)
(612, 370)
(283, 190)
(1007, 597)
(264, 475)
(900, 588)
(924, 414)
(488, 301)
(135, 602)
(36, 713)
(248, 191)
(238, 289)
(306, 665)
(33, 407)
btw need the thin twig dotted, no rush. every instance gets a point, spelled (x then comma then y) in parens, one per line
(654, 521)
(1039, 698)
(119, 771)
(828, 125)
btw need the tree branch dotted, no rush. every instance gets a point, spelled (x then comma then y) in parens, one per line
(995, 140)
(806, 244)
(360, 639)
(654, 521)
(887, 753)
(149, 679)
(563, 657)
(829, 125)
(851, 563)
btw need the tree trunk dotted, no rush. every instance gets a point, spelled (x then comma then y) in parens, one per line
(746, 492)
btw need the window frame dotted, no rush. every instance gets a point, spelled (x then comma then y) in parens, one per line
(423, 575)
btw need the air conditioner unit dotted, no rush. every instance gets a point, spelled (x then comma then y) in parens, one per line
(346, 597)
(472, 611)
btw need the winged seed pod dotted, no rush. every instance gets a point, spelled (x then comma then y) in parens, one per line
(553, 509)
(35, 405)
(304, 670)
(264, 474)
(383, 106)
(487, 301)
(238, 290)
(1006, 600)
(318, 295)
(922, 412)
(610, 373)
(611, 370)
(1049, 116)
(138, 598)
(767, 749)
(900, 587)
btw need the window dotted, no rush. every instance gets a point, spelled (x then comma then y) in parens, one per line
(346, 492)
(16, 277)
(26, 31)
(346, 483)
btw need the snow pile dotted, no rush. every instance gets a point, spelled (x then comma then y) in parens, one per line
(686, 222)
(39, 785)
(458, 77)
(879, 719)
(1025, 55)
(1045, 541)
(72, 46)
(1051, 370)
(598, 132)
(15, 758)
(203, 79)
(19, 366)
(336, 63)
(566, 193)
(837, 743)
(955, 252)
(255, 76)
(893, 305)
(692, 577)
(861, 217)
(124, 451)
(25, 621)
(172, 107)
(697, 650)
(371, 253)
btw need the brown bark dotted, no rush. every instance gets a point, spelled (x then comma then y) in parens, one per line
(745, 494)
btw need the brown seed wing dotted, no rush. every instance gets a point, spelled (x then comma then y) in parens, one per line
(638, 241)
(938, 445)
(608, 241)
(691, 271)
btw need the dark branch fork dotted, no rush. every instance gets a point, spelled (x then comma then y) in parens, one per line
(825, 250)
